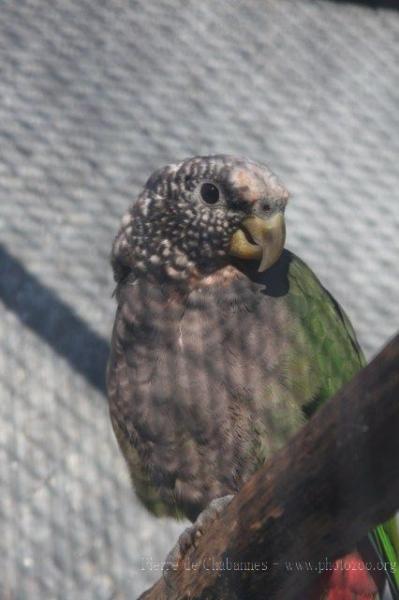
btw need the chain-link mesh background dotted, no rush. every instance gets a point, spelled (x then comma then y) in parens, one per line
(94, 95)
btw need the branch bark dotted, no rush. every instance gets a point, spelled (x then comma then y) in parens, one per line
(336, 479)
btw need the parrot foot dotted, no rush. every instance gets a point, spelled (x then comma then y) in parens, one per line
(190, 536)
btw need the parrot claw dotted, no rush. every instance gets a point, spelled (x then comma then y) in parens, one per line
(191, 536)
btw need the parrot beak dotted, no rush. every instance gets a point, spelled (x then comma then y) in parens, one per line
(260, 239)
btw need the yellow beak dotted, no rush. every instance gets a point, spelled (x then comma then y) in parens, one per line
(259, 239)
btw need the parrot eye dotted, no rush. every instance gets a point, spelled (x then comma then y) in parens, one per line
(209, 193)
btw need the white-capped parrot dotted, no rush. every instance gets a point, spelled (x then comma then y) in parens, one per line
(224, 343)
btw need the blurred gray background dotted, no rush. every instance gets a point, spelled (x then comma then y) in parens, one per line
(94, 95)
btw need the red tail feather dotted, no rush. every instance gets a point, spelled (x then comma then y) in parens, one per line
(349, 579)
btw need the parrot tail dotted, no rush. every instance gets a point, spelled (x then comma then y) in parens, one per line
(348, 579)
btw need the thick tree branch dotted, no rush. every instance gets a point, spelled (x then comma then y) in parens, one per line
(336, 480)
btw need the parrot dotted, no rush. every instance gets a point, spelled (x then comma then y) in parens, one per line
(224, 343)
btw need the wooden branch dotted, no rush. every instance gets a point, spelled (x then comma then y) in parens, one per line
(335, 480)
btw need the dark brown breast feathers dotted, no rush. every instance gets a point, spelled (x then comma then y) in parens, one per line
(196, 386)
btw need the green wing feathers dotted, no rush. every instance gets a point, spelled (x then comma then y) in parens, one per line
(337, 357)
(335, 354)
(385, 539)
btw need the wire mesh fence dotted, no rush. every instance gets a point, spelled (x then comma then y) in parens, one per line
(94, 96)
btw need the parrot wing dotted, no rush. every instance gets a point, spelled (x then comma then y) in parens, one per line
(332, 335)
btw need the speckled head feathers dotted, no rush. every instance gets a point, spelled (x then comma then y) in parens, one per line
(183, 221)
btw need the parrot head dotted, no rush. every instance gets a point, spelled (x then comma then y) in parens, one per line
(197, 216)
